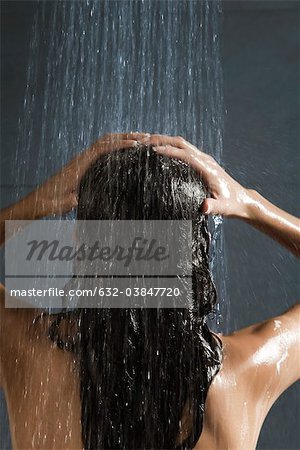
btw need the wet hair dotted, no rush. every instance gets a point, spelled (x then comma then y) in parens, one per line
(145, 373)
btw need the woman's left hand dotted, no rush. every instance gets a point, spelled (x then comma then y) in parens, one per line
(58, 195)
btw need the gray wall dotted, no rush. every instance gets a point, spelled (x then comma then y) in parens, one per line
(261, 78)
(261, 149)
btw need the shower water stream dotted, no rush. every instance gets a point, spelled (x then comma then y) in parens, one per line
(109, 66)
(113, 66)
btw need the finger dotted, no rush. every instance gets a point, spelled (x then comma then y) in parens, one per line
(195, 159)
(99, 148)
(212, 206)
(69, 202)
(107, 147)
(133, 135)
(171, 152)
(84, 160)
(72, 200)
(175, 141)
(162, 139)
(203, 164)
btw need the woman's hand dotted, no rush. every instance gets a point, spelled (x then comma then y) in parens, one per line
(228, 197)
(58, 195)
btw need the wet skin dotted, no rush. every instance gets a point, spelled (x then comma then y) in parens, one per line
(259, 362)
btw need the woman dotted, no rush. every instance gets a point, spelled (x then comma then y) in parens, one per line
(103, 392)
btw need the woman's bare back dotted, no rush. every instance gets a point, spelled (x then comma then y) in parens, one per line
(41, 386)
(233, 415)
(259, 363)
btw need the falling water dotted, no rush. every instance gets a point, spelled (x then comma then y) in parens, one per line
(111, 66)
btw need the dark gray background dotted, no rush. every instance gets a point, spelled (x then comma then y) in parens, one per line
(260, 52)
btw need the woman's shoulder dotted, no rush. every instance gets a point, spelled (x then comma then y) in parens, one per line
(248, 383)
(265, 356)
(230, 402)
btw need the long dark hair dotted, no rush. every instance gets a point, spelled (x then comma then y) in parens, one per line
(145, 373)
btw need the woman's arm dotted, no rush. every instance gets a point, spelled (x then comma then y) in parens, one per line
(228, 197)
(26, 209)
(270, 349)
(273, 221)
(58, 195)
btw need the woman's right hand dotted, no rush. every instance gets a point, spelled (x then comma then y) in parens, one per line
(228, 197)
